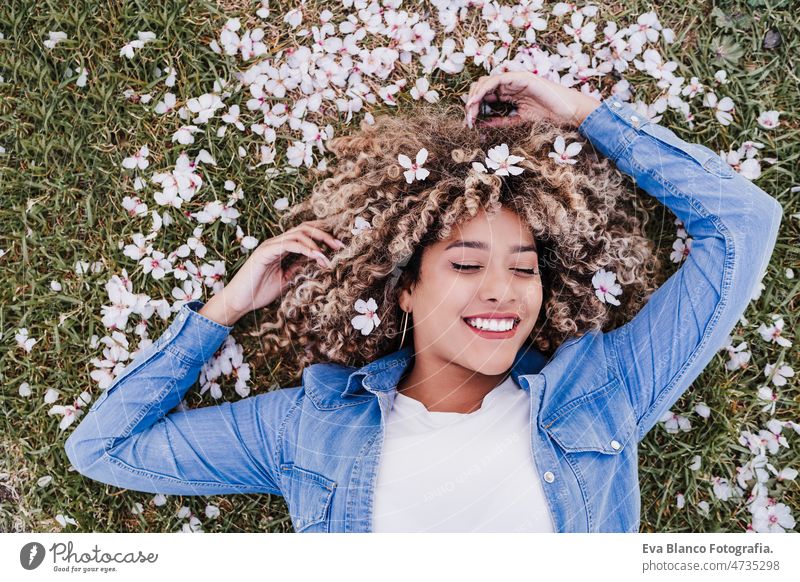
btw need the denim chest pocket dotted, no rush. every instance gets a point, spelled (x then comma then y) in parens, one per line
(701, 154)
(308, 495)
(602, 420)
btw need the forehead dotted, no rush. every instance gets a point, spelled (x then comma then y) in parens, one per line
(503, 229)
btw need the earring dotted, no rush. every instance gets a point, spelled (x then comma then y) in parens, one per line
(405, 327)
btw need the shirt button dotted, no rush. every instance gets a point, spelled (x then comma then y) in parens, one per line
(167, 335)
(549, 477)
(635, 121)
(616, 104)
(615, 445)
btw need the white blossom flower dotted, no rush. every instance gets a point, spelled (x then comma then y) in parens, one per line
(721, 77)
(702, 409)
(697, 461)
(25, 390)
(369, 320)
(722, 488)
(502, 162)
(680, 249)
(738, 356)
(585, 33)
(137, 160)
(766, 393)
(23, 341)
(564, 154)
(674, 422)
(680, 500)
(64, 519)
(724, 108)
(606, 287)
(422, 90)
(769, 119)
(83, 77)
(772, 518)
(212, 511)
(184, 135)
(774, 332)
(54, 38)
(204, 107)
(414, 170)
(281, 204)
(778, 375)
(361, 224)
(167, 104)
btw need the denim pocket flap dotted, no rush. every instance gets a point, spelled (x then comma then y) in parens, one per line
(308, 496)
(602, 420)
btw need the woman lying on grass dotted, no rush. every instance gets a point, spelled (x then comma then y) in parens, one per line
(487, 346)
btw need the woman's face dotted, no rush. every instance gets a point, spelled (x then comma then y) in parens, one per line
(484, 268)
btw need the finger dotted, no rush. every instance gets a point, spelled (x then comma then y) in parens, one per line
(500, 121)
(484, 87)
(304, 245)
(323, 235)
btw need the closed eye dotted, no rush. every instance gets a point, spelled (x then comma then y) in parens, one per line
(470, 267)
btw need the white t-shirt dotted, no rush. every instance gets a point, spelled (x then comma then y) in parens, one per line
(457, 472)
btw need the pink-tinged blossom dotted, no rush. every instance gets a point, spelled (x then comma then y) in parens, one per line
(680, 249)
(724, 108)
(502, 162)
(778, 374)
(414, 170)
(138, 160)
(674, 422)
(565, 154)
(774, 333)
(369, 318)
(769, 119)
(772, 517)
(606, 287)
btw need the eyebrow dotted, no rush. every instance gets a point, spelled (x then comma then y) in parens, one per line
(474, 244)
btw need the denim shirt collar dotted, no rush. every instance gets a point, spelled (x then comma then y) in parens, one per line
(331, 385)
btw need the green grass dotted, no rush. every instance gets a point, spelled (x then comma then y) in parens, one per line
(61, 190)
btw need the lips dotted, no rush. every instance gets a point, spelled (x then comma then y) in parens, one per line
(488, 334)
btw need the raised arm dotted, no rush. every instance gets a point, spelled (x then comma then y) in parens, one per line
(734, 226)
(130, 439)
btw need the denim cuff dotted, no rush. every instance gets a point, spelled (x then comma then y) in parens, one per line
(612, 126)
(195, 337)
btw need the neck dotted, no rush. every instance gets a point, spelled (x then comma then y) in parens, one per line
(449, 388)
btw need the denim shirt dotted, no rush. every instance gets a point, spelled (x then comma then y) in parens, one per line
(591, 402)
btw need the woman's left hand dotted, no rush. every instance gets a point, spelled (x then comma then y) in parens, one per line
(533, 96)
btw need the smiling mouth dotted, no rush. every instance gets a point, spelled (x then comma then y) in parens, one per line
(484, 329)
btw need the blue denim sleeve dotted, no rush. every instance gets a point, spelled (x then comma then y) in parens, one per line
(734, 226)
(130, 439)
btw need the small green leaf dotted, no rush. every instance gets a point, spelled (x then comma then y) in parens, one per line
(726, 50)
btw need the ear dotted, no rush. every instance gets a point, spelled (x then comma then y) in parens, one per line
(405, 298)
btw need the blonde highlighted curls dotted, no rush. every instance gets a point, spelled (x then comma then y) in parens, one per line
(583, 217)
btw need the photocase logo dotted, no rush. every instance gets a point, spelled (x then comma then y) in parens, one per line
(31, 555)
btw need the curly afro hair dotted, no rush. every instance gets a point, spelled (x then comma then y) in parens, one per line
(584, 217)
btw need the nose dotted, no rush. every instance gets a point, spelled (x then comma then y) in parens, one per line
(497, 286)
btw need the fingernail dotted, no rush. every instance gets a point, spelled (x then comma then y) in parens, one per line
(323, 257)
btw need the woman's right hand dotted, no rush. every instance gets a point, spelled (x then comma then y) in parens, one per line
(261, 279)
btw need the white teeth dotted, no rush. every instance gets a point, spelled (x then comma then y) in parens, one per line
(491, 324)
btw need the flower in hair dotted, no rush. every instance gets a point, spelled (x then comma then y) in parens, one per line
(361, 224)
(369, 320)
(606, 286)
(563, 153)
(414, 171)
(502, 162)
